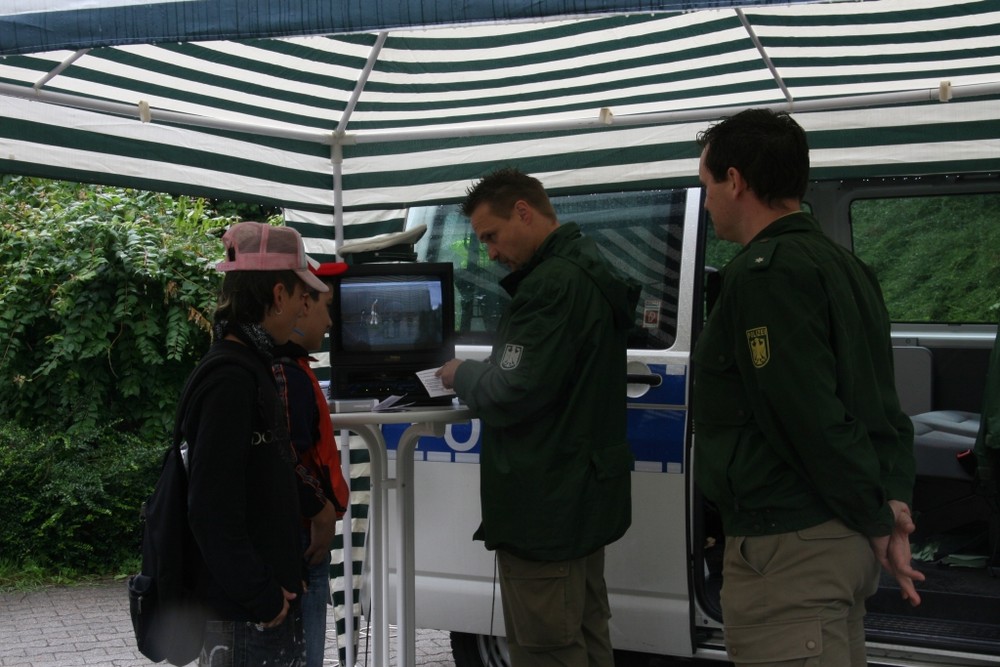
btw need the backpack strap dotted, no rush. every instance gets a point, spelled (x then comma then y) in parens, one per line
(216, 356)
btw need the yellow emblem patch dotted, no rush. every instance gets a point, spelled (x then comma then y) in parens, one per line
(760, 346)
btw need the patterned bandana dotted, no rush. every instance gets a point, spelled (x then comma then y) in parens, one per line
(254, 335)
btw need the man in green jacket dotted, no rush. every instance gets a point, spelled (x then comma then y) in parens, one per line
(555, 465)
(799, 437)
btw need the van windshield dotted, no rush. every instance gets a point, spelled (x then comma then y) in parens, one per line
(639, 233)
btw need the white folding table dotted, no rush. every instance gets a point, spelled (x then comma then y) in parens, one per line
(424, 421)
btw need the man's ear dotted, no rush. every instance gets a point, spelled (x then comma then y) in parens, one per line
(523, 210)
(737, 184)
(307, 303)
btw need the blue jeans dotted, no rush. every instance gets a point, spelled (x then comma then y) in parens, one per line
(245, 644)
(314, 604)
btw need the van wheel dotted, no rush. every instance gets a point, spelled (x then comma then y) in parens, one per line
(479, 650)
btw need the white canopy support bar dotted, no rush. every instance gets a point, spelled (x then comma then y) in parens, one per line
(337, 150)
(600, 120)
(337, 156)
(764, 56)
(605, 118)
(359, 87)
(132, 111)
(72, 58)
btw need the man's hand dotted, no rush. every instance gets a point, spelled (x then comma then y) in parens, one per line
(280, 618)
(321, 531)
(447, 373)
(893, 552)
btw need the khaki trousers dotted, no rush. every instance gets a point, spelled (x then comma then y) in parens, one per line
(556, 613)
(798, 599)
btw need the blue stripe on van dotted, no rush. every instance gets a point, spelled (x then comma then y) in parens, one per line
(655, 430)
(672, 390)
(657, 439)
(656, 422)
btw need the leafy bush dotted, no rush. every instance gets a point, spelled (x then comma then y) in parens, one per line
(107, 296)
(106, 300)
(72, 504)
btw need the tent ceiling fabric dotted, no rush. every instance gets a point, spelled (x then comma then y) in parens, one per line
(28, 26)
(396, 118)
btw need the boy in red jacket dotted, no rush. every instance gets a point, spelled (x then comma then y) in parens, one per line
(323, 492)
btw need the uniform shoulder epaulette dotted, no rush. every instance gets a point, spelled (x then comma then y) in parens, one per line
(759, 254)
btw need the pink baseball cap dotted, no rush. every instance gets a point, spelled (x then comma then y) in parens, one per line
(255, 246)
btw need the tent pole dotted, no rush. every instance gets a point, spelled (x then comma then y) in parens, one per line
(363, 77)
(337, 157)
(132, 111)
(76, 55)
(602, 120)
(763, 55)
(598, 120)
(337, 150)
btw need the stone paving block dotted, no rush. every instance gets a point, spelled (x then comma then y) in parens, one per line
(77, 626)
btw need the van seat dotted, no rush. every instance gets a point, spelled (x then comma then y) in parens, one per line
(913, 366)
(939, 437)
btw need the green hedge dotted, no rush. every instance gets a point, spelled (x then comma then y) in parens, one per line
(107, 298)
(71, 504)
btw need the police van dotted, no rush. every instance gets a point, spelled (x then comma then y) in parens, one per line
(933, 242)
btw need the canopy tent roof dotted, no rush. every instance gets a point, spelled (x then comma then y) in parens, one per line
(368, 122)
(28, 26)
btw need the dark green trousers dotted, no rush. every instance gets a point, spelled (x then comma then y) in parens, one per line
(556, 613)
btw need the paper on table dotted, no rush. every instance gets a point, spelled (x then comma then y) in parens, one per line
(432, 383)
(390, 403)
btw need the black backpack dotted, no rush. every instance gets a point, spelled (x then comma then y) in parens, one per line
(168, 616)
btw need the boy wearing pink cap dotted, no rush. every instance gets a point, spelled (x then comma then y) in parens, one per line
(243, 505)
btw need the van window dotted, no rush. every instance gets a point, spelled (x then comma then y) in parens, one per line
(638, 232)
(718, 253)
(929, 254)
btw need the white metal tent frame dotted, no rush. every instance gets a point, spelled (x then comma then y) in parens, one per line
(606, 118)
(44, 90)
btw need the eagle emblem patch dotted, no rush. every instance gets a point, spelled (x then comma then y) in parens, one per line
(760, 346)
(511, 356)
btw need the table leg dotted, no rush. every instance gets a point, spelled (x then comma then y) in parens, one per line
(378, 527)
(405, 603)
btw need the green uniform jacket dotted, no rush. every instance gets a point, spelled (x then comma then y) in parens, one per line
(796, 415)
(555, 465)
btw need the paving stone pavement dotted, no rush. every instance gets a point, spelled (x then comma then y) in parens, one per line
(88, 625)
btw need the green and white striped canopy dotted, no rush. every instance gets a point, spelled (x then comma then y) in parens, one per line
(360, 125)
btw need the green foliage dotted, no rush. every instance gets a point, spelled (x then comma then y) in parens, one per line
(936, 257)
(246, 211)
(718, 252)
(71, 505)
(106, 302)
(28, 576)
